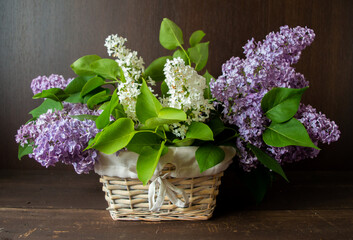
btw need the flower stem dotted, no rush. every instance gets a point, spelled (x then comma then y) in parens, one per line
(186, 54)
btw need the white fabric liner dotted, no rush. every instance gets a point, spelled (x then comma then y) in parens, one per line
(183, 158)
(186, 166)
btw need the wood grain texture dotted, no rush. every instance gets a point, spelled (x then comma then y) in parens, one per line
(39, 37)
(96, 224)
(62, 205)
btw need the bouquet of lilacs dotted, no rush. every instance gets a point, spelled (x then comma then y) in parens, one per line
(260, 95)
(111, 107)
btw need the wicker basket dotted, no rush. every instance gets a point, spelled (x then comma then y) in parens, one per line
(128, 198)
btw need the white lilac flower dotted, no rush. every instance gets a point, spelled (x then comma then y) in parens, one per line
(132, 67)
(186, 89)
(179, 129)
(128, 93)
(115, 45)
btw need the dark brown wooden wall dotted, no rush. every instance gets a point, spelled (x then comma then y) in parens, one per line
(43, 37)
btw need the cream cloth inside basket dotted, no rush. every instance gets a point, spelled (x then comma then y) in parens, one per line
(183, 158)
(186, 166)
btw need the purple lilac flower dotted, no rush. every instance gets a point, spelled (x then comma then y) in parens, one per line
(31, 130)
(317, 124)
(283, 46)
(26, 133)
(79, 109)
(56, 137)
(64, 141)
(41, 83)
(244, 82)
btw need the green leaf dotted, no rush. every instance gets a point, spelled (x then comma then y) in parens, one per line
(147, 105)
(180, 53)
(172, 113)
(114, 101)
(268, 161)
(77, 84)
(143, 139)
(91, 84)
(94, 92)
(199, 130)
(281, 104)
(116, 109)
(83, 117)
(183, 142)
(116, 136)
(147, 162)
(291, 133)
(45, 106)
(155, 69)
(109, 108)
(154, 122)
(56, 94)
(199, 55)
(166, 116)
(75, 98)
(209, 155)
(75, 87)
(164, 89)
(92, 141)
(106, 68)
(118, 112)
(82, 66)
(103, 119)
(121, 75)
(25, 150)
(170, 35)
(196, 37)
(217, 126)
(207, 92)
(97, 99)
(105, 105)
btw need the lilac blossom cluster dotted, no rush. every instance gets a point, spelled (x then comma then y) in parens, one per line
(41, 83)
(244, 82)
(57, 137)
(64, 141)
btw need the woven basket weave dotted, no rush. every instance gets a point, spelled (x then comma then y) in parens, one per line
(128, 198)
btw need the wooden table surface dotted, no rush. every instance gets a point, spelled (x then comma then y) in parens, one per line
(53, 204)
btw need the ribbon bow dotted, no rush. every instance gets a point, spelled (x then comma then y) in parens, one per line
(164, 188)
